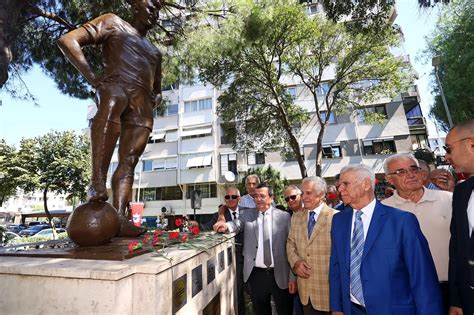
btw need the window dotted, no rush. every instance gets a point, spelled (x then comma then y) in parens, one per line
(379, 109)
(332, 118)
(255, 158)
(161, 193)
(157, 137)
(194, 106)
(379, 147)
(228, 131)
(171, 109)
(332, 151)
(208, 190)
(291, 91)
(312, 9)
(229, 163)
(147, 165)
(322, 89)
(171, 135)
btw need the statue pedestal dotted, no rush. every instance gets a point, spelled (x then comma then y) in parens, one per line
(183, 282)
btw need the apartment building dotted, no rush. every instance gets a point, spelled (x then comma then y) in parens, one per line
(189, 148)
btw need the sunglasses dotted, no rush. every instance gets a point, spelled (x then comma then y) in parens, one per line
(231, 196)
(292, 197)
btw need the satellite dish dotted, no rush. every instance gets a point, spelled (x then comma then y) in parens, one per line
(229, 176)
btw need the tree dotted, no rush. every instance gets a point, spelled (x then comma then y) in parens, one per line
(58, 162)
(453, 41)
(253, 53)
(359, 65)
(272, 177)
(10, 171)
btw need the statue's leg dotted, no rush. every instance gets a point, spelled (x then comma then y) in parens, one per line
(132, 144)
(111, 101)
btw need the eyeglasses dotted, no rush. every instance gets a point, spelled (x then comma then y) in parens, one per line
(231, 196)
(448, 147)
(292, 197)
(403, 172)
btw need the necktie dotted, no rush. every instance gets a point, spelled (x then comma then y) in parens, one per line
(267, 256)
(357, 248)
(311, 223)
(234, 214)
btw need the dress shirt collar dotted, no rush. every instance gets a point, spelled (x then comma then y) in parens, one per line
(367, 210)
(317, 210)
(268, 212)
(428, 195)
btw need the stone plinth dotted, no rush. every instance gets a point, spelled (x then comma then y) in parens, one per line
(147, 284)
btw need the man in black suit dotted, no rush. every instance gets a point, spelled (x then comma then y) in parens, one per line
(460, 154)
(232, 211)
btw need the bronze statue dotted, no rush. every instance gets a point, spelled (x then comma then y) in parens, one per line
(126, 95)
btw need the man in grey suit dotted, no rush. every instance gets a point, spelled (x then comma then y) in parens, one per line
(266, 267)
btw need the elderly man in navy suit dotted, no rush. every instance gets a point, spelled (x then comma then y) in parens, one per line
(380, 261)
(460, 154)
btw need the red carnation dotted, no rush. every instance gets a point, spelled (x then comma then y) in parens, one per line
(130, 247)
(157, 232)
(184, 238)
(178, 222)
(145, 238)
(173, 234)
(195, 230)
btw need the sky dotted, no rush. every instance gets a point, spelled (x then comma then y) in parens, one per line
(56, 111)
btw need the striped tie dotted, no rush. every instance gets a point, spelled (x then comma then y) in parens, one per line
(357, 248)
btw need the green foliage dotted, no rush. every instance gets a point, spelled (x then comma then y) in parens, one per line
(11, 171)
(271, 176)
(57, 161)
(453, 41)
(35, 239)
(253, 52)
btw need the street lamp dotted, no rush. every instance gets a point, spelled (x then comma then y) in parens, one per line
(435, 62)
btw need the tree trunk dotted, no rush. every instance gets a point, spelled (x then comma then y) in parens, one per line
(48, 214)
(319, 151)
(9, 12)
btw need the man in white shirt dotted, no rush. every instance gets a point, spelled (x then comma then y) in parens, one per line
(432, 208)
(460, 154)
(251, 182)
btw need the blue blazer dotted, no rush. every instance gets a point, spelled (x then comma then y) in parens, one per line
(397, 271)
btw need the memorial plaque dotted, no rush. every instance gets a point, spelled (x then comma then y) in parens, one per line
(214, 306)
(229, 256)
(211, 270)
(221, 262)
(179, 293)
(197, 280)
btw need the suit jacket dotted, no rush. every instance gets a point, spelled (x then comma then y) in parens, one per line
(248, 225)
(461, 251)
(397, 272)
(315, 251)
(208, 226)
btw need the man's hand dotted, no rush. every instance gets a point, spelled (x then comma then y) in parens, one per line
(221, 213)
(302, 269)
(292, 287)
(444, 180)
(220, 227)
(192, 224)
(454, 310)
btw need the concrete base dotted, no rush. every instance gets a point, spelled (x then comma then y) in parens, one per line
(147, 284)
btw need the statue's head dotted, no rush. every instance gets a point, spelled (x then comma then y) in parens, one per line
(146, 11)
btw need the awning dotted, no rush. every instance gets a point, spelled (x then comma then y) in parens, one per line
(198, 161)
(196, 131)
(158, 136)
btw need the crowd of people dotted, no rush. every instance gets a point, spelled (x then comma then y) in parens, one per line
(336, 249)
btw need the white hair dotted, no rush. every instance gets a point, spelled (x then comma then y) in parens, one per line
(362, 171)
(252, 176)
(319, 183)
(293, 187)
(396, 157)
